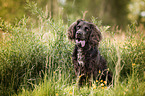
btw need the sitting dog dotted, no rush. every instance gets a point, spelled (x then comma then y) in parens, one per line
(88, 63)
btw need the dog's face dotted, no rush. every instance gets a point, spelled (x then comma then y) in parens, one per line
(84, 32)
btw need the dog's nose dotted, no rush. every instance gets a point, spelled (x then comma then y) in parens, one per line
(79, 33)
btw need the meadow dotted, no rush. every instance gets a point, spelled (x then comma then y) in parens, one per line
(35, 59)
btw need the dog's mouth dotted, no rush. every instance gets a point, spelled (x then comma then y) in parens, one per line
(80, 42)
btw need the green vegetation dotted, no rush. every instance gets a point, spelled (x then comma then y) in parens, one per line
(36, 60)
(111, 12)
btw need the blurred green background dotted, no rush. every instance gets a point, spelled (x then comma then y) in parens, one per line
(111, 12)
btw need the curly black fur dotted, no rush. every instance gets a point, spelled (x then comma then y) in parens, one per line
(88, 63)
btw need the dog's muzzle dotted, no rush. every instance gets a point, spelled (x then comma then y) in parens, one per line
(81, 42)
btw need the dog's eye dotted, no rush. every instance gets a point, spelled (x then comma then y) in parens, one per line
(86, 28)
(78, 27)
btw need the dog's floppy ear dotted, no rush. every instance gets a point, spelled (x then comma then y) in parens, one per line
(95, 35)
(72, 29)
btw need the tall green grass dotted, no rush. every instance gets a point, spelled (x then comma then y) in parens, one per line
(26, 55)
(35, 59)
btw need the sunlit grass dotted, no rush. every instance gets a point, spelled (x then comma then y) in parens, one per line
(36, 61)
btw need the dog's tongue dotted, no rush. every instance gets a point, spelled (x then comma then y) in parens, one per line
(82, 42)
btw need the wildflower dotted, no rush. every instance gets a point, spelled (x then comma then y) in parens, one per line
(102, 87)
(94, 86)
(99, 71)
(81, 75)
(101, 81)
(133, 64)
(54, 72)
(96, 80)
(105, 87)
(102, 84)
(133, 87)
(70, 93)
(105, 82)
(56, 94)
(125, 47)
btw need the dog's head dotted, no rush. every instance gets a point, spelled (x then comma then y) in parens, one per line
(84, 32)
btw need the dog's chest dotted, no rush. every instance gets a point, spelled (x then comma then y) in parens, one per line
(80, 57)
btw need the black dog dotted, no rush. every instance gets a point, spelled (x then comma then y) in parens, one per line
(88, 62)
